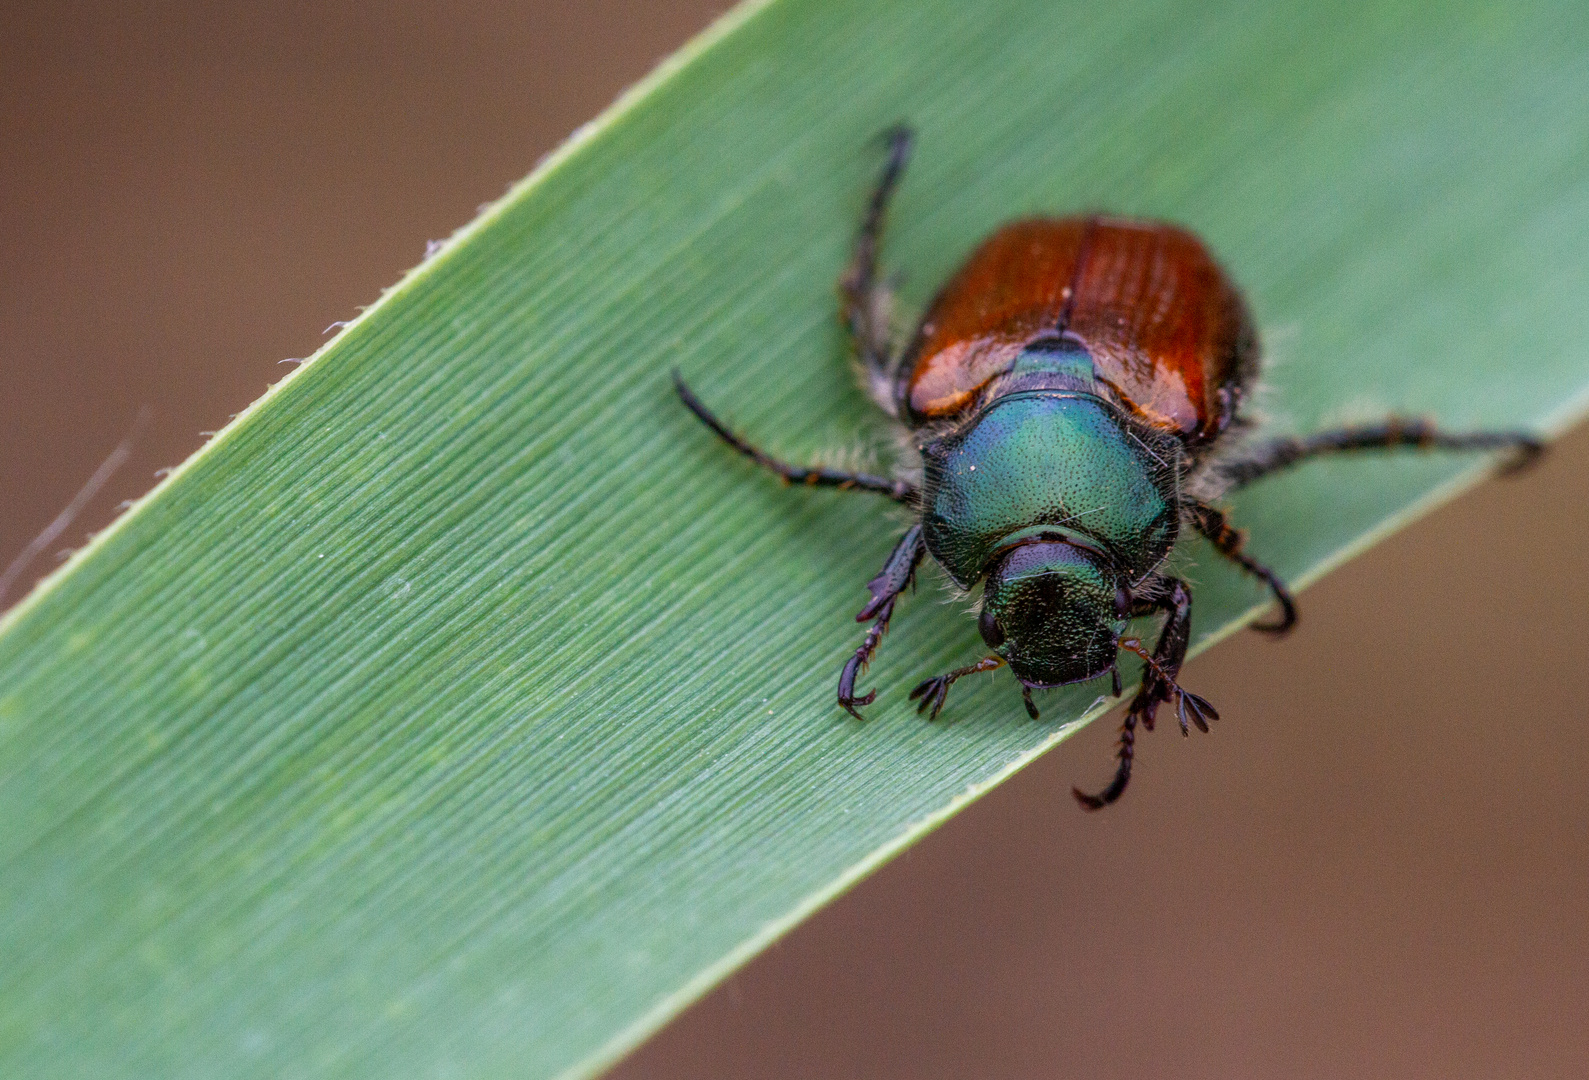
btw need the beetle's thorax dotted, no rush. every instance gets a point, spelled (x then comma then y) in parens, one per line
(1048, 456)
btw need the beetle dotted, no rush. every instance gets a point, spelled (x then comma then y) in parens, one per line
(1075, 397)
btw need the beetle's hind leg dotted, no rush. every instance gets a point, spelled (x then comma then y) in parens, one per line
(1272, 455)
(1213, 524)
(867, 300)
(899, 490)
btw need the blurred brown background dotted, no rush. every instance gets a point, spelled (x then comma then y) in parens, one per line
(1377, 865)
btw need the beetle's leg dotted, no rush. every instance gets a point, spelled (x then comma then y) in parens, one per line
(1275, 454)
(867, 301)
(898, 490)
(1158, 684)
(1122, 777)
(1212, 523)
(893, 579)
(1158, 678)
(933, 692)
(1186, 702)
(863, 656)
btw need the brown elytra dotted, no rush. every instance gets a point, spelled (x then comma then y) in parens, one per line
(1166, 328)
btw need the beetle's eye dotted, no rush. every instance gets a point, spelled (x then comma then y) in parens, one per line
(1122, 602)
(989, 628)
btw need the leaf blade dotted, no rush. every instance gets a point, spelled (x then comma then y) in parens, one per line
(406, 754)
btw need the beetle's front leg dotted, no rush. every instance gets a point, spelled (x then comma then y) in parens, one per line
(1158, 676)
(1158, 684)
(893, 579)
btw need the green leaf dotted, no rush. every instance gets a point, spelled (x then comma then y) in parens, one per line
(464, 709)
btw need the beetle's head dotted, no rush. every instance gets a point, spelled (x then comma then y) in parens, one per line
(1054, 611)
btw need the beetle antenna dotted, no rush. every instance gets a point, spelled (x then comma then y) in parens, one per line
(1188, 706)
